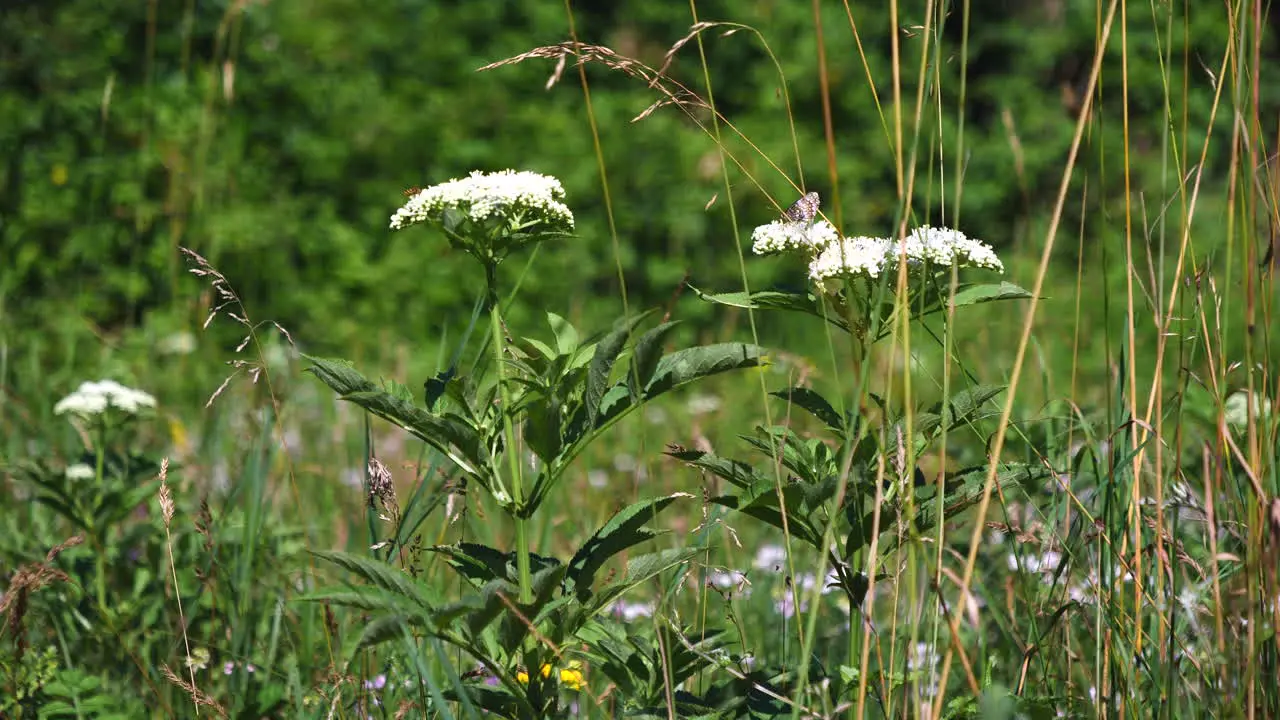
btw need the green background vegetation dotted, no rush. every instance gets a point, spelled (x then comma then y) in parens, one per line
(276, 139)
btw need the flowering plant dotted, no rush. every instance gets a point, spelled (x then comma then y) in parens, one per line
(491, 215)
(852, 275)
(853, 492)
(512, 429)
(107, 480)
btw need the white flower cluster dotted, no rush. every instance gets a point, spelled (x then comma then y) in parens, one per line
(93, 398)
(782, 236)
(80, 471)
(944, 246)
(851, 256)
(481, 196)
(1236, 409)
(832, 256)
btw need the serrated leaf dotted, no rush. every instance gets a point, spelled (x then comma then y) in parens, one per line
(340, 375)
(965, 404)
(647, 357)
(368, 599)
(606, 354)
(481, 563)
(815, 404)
(623, 530)
(740, 474)
(640, 569)
(805, 303)
(441, 432)
(689, 364)
(386, 628)
(380, 575)
(989, 292)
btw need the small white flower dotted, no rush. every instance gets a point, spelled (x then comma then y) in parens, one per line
(629, 611)
(624, 463)
(198, 659)
(80, 471)
(526, 197)
(782, 236)
(923, 657)
(1046, 562)
(850, 257)
(944, 246)
(703, 404)
(179, 343)
(770, 557)
(353, 478)
(81, 403)
(1236, 409)
(92, 398)
(725, 579)
(597, 478)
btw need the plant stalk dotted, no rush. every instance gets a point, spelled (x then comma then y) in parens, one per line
(509, 435)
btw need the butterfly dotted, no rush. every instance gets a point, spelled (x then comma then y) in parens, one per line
(410, 192)
(803, 210)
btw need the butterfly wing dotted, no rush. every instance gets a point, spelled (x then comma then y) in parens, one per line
(803, 210)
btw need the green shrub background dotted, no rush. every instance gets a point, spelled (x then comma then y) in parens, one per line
(275, 138)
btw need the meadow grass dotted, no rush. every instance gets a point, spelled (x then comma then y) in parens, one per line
(1127, 570)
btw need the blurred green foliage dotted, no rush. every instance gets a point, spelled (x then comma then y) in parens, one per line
(276, 137)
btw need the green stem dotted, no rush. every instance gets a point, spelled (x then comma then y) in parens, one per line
(100, 462)
(509, 435)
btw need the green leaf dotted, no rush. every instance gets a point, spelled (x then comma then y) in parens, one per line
(740, 474)
(442, 432)
(640, 569)
(339, 375)
(386, 628)
(602, 361)
(566, 335)
(695, 363)
(989, 292)
(763, 506)
(367, 599)
(625, 529)
(964, 489)
(963, 405)
(495, 700)
(647, 357)
(538, 348)
(498, 597)
(815, 404)
(481, 563)
(380, 575)
(805, 303)
(542, 429)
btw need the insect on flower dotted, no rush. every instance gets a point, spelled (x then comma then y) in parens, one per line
(803, 210)
(410, 192)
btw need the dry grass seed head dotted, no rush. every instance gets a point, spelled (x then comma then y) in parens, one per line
(197, 695)
(28, 578)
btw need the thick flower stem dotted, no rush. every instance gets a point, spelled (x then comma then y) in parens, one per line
(509, 435)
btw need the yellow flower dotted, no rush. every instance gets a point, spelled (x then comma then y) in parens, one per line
(58, 174)
(572, 678)
(523, 677)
